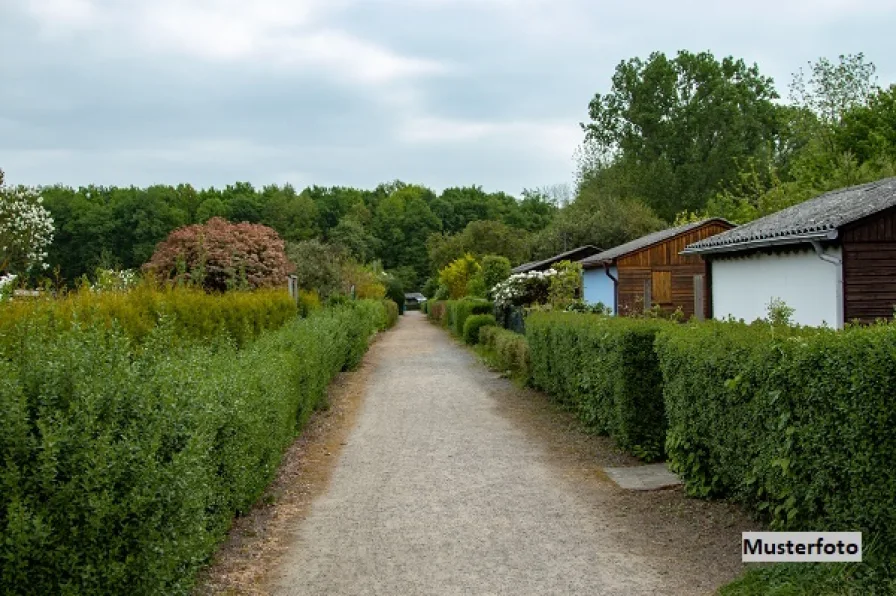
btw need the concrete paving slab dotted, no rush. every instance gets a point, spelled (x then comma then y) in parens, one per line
(649, 477)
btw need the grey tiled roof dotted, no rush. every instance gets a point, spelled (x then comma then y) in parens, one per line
(572, 255)
(645, 241)
(815, 219)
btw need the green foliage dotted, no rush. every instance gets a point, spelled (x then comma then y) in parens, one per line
(391, 314)
(795, 423)
(506, 351)
(457, 312)
(395, 292)
(479, 238)
(606, 369)
(597, 218)
(679, 126)
(318, 266)
(873, 576)
(116, 227)
(473, 324)
(495, 269)
(242, 316)
(566, 286)
(123, 467)
(456, 276)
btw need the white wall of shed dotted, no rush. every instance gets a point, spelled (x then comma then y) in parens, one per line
(742, 287)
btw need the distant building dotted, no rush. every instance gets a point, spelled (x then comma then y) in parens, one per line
(575, 254)
(832, 259)
(648, 271)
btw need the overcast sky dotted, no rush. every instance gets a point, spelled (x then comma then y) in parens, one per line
(357, 92)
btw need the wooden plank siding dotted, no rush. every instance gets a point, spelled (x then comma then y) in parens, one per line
(637, 268)
(869, 267)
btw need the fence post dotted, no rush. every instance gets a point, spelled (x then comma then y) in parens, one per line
(647, 296)
(293, 285)
(699, 298)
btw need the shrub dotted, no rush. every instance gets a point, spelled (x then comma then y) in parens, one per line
(392, 311)
(606, 369)
(318, 266)
(196, 315)
(456, 275)
(507, 351)
(395, 293)
(473, 324)
(123, 467)
(26, 229)
(436, 311)
(457, 312)
(219, 255)
(495, 269)
(308, 302)
(797, 424)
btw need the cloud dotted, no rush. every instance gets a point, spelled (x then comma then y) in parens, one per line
(440, 92)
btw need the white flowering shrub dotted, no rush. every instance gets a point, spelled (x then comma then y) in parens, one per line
(26, 229)
(7, 285)
(521, 289)
(113, 280)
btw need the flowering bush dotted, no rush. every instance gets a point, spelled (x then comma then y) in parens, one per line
(26, 229)
(113, 280)
(521, 289)
(7, 284)
(219, 255)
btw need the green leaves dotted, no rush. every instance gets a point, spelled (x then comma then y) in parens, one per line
(121, 466)
(795, 423)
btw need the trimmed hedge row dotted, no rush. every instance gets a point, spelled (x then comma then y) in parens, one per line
(473, 324)
(120, 469)
(452, 314)
(606, 369)
(799, 425)
(392, 312)
(242, 315)
(507, 351)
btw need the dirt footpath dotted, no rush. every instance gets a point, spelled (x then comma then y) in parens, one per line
(453, 481)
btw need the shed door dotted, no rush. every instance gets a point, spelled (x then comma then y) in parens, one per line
(661, 287)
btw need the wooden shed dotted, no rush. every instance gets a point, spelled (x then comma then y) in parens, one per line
(832, 259)
(651, 271)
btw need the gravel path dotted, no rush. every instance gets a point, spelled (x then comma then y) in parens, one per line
(439, 491)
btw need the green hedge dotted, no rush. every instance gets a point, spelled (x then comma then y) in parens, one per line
(507, 351)
(606, 369)
(392, 313)
(473, 324)
(799, 425)
(457, 312)
(120, 469)
(452, 314)
(199, 315)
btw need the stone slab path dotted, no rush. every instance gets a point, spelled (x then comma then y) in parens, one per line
(439, 491)
(649, 477)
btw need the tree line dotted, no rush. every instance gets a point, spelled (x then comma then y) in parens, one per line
(674, 139)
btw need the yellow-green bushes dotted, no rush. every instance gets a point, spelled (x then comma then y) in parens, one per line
(121, 468)
(242, 315)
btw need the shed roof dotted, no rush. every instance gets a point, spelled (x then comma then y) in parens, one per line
(645, 241)
(816, 219)
(571, 255)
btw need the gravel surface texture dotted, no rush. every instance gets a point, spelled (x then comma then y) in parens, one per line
(454, 481)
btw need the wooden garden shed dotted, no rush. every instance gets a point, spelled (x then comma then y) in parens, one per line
(650, 271)
(832, 259)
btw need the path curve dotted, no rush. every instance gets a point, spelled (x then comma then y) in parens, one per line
(437, 492)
